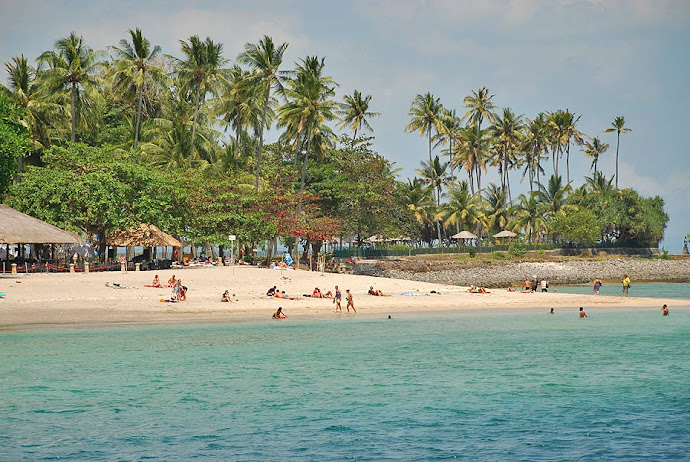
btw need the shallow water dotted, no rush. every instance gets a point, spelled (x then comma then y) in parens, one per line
(492, 385)
(662, 290)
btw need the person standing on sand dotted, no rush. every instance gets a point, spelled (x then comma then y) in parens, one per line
(664, 310)
(336, 300)
(535, 283)
(583, 313)
(597, 286)
(626, 285)
(544, 285)
(350, 302)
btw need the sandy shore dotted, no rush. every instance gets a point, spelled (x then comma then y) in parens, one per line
(69, 299)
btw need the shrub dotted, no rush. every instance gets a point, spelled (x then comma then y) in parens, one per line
(472, 252)
(517, 249)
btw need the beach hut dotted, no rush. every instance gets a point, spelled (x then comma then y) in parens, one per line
(144, 235)
(20, 228)
(464, 235)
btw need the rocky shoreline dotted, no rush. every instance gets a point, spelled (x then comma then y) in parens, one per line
(501, 274)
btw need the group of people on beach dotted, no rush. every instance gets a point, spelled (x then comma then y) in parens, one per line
(179, 291)
(336, 296)
(532, 285)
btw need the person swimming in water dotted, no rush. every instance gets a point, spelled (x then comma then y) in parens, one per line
(664, 310)
(583, 313)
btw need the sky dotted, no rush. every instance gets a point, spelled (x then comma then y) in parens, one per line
(597, 58)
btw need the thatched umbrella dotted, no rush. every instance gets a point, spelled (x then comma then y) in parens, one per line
(464, 235)
(19, 228)
(505, 234)
(143, 235)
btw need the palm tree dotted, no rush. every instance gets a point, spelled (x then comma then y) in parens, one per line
(264, 58)
(495, 208)
(136, 68)
(598, 184)
(555, 197)
(534, 148)
(570, 134)
(26, 91)
(419, 200)
(451, 125)
(71, 67)
(618, 126)
(528, 215)
(594, 149)
(471, 153)
(479, 107)
(506, 133)
(463, 209)
(354, 112)
(199, 73)
(425, 115)
(240, 105)
(309, 106)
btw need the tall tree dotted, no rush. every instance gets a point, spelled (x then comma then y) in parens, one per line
(25, 89)
(199, 73)
(570, 134)
(534, 148)
(71, 67)
(555, 197)
(618, 126)
(135, 68)
(451, 126)
(479, 107)
(594, 149)
(425, 117)
(507, 133)
(528, 215)
(354, 112)
(264, 58)
(471, 153)
(463, 208)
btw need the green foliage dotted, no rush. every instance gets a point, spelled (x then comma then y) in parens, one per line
(580, 227)
(14, 141)
(473, 252)
(517, 248)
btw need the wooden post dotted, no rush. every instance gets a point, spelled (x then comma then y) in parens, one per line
(86, 267)
(14, 268)
(137, 267)
(71, 267)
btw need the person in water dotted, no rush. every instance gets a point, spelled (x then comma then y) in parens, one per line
(583, 313)
(597, 286)
(664, 310)
(553, 311)
(279, 314)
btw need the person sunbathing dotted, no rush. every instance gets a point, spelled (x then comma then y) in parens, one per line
(226, 297)
(317, 293)
(377, 292)
(156, 281)
(478, 290)
(172, 281)
(328, 294)
(283, 295)
(271, 292)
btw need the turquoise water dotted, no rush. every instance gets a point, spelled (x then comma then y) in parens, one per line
(672, 290)
(499, 385)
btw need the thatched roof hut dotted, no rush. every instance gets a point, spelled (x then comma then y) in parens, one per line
(143, 235)
(19, 228)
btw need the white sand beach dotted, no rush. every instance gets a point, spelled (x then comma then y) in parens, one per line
(69, 299)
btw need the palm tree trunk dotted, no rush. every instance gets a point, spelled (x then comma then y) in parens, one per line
(354, 135)
(618, 142)
(139, 106)
(450, 159)
(196, 114)
(238, 150)
(261, 136)
(431, 165)
(567, 161)
(74, 117)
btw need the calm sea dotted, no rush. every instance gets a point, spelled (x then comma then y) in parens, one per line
(498, 385)
(673, 290)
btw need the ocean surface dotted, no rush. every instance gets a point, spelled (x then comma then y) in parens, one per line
(491, 385)
(662, 290)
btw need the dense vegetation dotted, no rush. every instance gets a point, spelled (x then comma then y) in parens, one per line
(104, 140)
